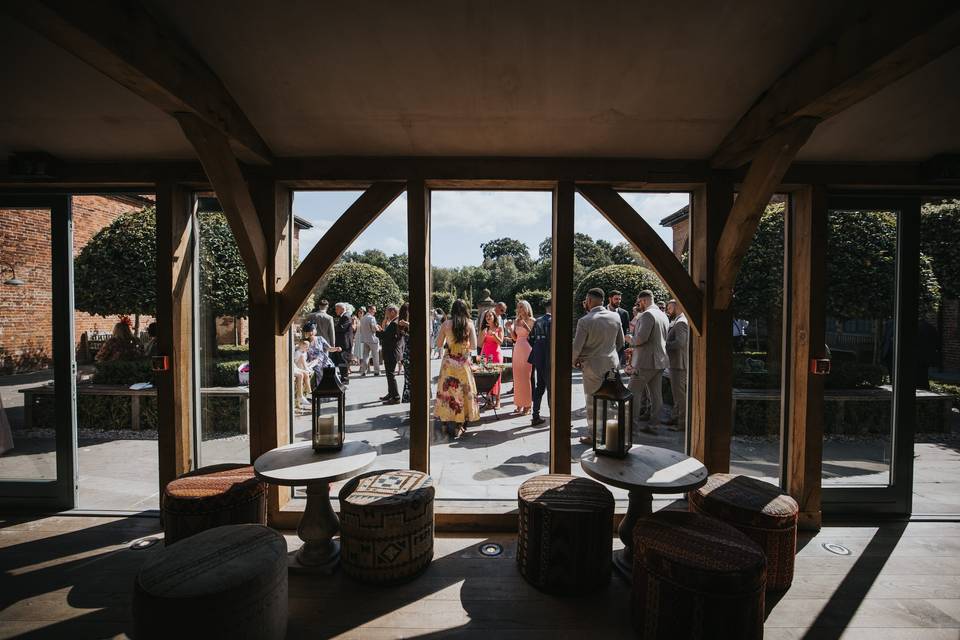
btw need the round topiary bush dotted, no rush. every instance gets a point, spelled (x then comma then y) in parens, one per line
(536, 298)
(360, 284)
(442, 300)
(629, 279)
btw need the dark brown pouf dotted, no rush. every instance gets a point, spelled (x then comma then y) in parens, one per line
(565, 542)
(211, 497)
(696, 577)
(761, 511)
(228, 582)
(386, 526)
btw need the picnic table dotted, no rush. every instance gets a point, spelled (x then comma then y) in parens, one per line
(32, 395)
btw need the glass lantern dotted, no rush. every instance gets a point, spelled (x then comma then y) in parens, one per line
(612, 417)
(329, 412)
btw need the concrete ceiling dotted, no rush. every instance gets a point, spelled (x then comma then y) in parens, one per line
(486, 78)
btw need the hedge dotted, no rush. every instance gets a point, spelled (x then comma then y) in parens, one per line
(233, 351)
(627, 278)
(442, 300)
(124, 372)
(536, 298)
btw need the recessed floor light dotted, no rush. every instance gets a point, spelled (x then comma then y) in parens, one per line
(838, 549)
(143, 543)
(491, 549)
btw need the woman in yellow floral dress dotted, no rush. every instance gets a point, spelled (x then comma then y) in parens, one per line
(456, 389)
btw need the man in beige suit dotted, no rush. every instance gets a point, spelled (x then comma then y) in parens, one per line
(678, 339)
(649, 357)
(598, 338)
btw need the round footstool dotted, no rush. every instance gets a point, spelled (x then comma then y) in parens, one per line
(211, 497)
(696, 577)
(761, 511)
(386, 526)
(228, 582)
(565, 542)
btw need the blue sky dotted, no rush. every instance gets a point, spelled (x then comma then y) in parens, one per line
(462, 220)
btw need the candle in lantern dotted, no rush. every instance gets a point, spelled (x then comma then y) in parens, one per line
(326, 433)
(612, 434)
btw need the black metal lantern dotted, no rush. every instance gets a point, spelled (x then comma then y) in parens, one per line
(612, 417)
(329, 412)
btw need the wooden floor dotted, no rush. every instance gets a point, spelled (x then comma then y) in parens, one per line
(71, 577)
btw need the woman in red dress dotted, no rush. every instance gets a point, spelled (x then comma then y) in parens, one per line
(491, 337)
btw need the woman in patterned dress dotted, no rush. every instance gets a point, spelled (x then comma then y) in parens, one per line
(456, 389)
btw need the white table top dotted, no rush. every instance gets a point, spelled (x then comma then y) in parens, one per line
(651, 469)
(298, 464)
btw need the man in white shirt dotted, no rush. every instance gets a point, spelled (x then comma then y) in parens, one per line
(598, 338)
(368, 341)
(649, 357)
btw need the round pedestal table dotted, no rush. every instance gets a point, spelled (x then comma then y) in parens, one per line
(297, 465)
(643, 472)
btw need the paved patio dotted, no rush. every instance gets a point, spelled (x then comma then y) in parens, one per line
(488, 463)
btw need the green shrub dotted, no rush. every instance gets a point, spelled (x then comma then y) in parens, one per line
(220, 416)
(442, 300)
(225, 373)
(626, 278)
(360, 284)
(233, 351)
(536, 298)
(124, 372)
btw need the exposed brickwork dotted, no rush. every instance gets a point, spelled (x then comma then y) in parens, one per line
(25, 312)
(681, 234)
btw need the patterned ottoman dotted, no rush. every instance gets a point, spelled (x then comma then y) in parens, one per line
(228, 582)
(210, 497)
(696, 577)
(565, 541)
(386, 526)
(761, 511)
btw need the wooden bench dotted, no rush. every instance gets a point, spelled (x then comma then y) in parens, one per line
(33, 394)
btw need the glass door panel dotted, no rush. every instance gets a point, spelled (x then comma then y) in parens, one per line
(37, 426)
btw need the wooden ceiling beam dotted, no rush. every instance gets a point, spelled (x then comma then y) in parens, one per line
(642, 236)
(332, 245)
(232, 191)
(122, 40)
(892, 41)
(766, 171)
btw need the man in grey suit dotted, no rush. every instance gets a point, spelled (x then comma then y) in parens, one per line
(323, 321)
(598, 338)
(649, 357)
(678, 340)
(368, 342)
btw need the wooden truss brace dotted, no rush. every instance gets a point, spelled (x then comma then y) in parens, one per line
(661, 259)
(870, 54)
(122, 40)
(331, 246)
(765, 173)
(225, 176)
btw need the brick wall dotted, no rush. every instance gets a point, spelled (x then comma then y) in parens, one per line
(25, 312)
(681, 233)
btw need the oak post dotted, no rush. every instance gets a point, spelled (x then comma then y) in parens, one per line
(806, 243)
(418, 234)
(269, 353)
(175, 244)
(561, 344)
(711, 411)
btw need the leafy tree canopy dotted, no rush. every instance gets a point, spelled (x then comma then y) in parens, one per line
(627, 278)
(507, 247)
(940, 240)
(360, 284)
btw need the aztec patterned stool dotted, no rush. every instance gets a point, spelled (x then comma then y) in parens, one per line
(759, 510)
(696, 577)
(210, 497)
(228, 582)
(565, 542)
(386, 526)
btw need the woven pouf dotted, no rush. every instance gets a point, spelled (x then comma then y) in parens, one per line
(565, 541)
(696, 577)
(211, 497)
(761, 511)
(228, 582)
(386, 526)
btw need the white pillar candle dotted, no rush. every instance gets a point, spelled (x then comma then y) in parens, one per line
(326, 435)
(612, 434)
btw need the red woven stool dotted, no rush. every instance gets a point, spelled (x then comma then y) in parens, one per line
(761, 511)
(696, 577)
(210, 497)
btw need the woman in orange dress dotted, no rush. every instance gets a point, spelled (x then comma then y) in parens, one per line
(522, 386)
(491, 337)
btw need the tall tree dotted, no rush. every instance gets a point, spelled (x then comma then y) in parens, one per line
(507, 247)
